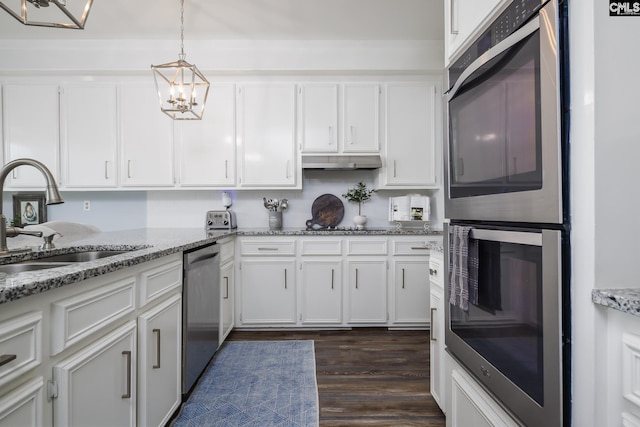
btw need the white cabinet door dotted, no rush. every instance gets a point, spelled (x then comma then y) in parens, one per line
(23, 406)
(411, 291)
(462, 19)
(321, 291)
(97, 385)
(267, 135)
(367, 294)
(207, 147)
(31, 130)
(227, 299)
(411, 129)
(436, 347)
(361, 118)
(268, 291)
(89, 135)
(319, 123)
(146, 139)
(160, 362)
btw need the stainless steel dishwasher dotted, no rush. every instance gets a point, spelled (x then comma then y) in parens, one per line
(200, 312)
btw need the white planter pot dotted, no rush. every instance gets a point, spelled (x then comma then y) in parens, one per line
(360, 221)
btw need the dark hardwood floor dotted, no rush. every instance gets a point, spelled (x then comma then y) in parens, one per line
(368, 376)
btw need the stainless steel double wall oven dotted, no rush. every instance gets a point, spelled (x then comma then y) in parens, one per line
(506, 188)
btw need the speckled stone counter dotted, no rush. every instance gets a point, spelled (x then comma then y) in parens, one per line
(143, 245)
(140, 245)
(625, 300)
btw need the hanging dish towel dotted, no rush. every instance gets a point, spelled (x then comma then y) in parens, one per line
(459, 266)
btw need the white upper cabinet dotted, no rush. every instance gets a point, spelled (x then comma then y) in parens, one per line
(146, 138)
(462, 20)
(206, 148)
(31, 130)
(319, 118)
(89, 133)
(412, 130)
(361, 122)
(267, 136)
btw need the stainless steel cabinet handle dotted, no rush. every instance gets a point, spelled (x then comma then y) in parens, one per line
(285, 278)
(394, 169)
(106, 169)
(264, 248)
(6, 358)
(157, 364)
(127, 395)
(356, 278)
(433, 272)
(351, 129)
(403, 278)
(330, 135)
(419, 247)
(226, 287)
(431, 327)
(226, 169)
(332, 274)
(128, 168)
(14, 174)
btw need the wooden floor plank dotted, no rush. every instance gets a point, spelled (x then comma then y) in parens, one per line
(368, 376)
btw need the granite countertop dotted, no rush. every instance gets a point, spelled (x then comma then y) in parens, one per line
(626, 300)
(143, 245)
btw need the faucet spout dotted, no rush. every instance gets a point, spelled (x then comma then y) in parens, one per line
(52, 195)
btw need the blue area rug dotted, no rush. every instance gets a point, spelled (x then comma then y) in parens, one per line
(256, 383)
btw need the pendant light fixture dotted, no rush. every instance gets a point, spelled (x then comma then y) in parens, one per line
(39, 13)
(179, 82)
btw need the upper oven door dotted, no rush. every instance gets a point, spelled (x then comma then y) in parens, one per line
(503, 157)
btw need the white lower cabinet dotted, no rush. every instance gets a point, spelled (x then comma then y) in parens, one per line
(269, 291)
(23, 406)
(367, 294)
(227, 290)
(160, 370)
(321, 291)
(102, 352)
(340, 281)
(437, 369)
(97, 385)
(472, 406)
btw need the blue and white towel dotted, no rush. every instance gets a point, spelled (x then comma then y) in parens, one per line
(463, 271)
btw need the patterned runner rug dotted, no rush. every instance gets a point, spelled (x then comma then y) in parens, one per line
(257, 384)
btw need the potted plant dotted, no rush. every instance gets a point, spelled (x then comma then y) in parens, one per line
(359, 194)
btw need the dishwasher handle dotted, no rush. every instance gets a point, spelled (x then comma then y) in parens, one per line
(201, 255)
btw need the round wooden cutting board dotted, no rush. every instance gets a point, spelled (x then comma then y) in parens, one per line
(327, 211)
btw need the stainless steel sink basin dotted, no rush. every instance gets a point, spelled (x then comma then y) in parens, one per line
(54, 261)
(77, 256)
(23, 267)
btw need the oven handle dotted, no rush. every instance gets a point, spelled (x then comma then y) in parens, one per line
(518, 237)
(527, 29)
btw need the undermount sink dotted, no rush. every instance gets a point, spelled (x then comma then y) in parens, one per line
(77, 256)
(54, 261)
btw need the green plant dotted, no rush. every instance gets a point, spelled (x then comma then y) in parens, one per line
(359, 194)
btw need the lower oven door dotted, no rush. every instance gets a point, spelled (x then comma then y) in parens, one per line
(506, 327)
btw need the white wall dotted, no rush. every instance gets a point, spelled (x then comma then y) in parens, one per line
(185, 209)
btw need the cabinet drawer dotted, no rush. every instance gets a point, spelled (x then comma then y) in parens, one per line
(435, 270)
(75, 318)
(411, 247)
(158, 281)
(321, 247)
(20, 345)
(367, 247)
(267, 248)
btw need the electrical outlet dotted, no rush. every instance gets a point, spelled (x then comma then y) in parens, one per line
(86, 205)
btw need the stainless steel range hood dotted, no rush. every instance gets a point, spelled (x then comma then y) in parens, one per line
(313, 161)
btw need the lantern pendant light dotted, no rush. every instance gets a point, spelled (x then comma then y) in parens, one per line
(38, 13)
(182, 88)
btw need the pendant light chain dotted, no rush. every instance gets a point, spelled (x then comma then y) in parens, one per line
(182, 55)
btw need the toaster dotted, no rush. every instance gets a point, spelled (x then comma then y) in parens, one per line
(217, 220)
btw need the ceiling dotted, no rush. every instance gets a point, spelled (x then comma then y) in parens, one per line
(246, 20)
